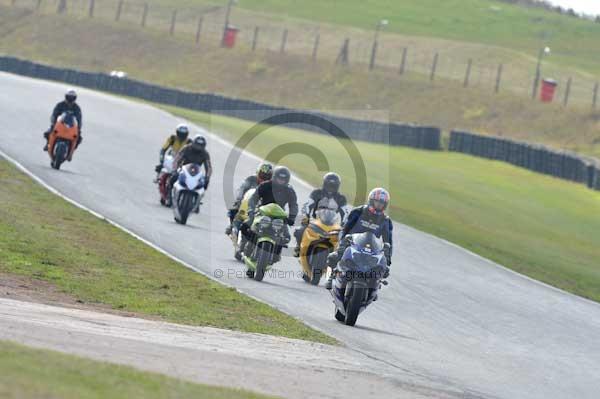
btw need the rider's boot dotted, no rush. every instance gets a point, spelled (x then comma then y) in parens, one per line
(329, 282)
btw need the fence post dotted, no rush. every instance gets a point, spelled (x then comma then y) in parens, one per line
(536, 83)
(343, 57)
(283, 41)
(255, 38)
(199, 29)
(119, 9)
(567, 92)
(316, 47)
(468, 73)
(595, 97)
(62, 7)
(91, 9)
(373, 54)
(144, 15)
(498, 78)
(173, 22)
(403, 62)
(434, 66)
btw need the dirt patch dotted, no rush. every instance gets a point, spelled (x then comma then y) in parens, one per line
(25, 289)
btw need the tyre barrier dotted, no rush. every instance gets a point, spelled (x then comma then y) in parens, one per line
(538, 158)
(428, 138)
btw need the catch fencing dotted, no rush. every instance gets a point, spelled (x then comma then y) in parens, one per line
(428, 138)
(561, 164)
(484, 67)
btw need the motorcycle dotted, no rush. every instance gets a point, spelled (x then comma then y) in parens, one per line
(163, 178)
(271, 231)
(320, 238)
(236, 235)
(187, 192)
(62, 140)
(359, 276)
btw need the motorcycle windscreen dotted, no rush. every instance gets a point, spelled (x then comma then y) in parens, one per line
(329, 217)
(68, 119)
(367, 243)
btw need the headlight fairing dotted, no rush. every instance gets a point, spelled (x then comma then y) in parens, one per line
(278, 224)
(181, 180)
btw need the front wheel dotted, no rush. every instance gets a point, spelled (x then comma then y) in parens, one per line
(354, 304)
(263, 256)
(60, 154)
(318, 263)
(339, 316)
(185, 205)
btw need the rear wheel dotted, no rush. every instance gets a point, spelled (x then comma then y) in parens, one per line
(318, 263)
(354, 303)
(339, 316)
(263, 255)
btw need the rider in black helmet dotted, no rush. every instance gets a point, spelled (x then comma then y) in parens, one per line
(264, 173)
(194, 152)
(175, 142)
(68, 105)
(277, 190)
(329, 193)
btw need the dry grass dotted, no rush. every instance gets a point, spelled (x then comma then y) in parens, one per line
(292, 80)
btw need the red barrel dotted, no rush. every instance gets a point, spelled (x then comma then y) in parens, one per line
(548, 89)
(229, 36)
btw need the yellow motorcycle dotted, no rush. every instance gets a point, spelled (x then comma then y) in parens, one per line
(319, 239)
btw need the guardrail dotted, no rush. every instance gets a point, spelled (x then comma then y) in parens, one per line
(428, 138)
(538, 158)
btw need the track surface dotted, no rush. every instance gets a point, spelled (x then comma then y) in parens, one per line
(449, 320)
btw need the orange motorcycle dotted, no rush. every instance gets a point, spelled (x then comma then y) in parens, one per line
(319, 239)
(62, 140)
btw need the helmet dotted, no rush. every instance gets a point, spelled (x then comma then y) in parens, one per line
(379, 199)
(182, 131)
(331, 183)
(199, 142)
(71, 96)
(281, 175)
(264, 172)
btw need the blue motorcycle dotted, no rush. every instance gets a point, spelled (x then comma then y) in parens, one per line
(359, 276)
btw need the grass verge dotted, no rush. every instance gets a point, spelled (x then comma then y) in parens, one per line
(27, 373)
(542, 227)
(42, 237)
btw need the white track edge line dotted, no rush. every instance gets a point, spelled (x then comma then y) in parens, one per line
(56, 192)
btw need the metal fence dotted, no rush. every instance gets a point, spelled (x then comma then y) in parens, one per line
(474, 65)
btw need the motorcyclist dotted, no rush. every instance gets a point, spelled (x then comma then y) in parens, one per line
(279, 191)
(264, 173)
(68, 105)
(194, 152)
(329, 191)
(175, 142)
(366, 218)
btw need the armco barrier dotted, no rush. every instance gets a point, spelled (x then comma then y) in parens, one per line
(561, 164)
(428, 138)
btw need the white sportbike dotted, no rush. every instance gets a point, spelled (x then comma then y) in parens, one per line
(188, 191)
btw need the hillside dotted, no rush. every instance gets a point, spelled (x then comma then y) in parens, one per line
(292, 80)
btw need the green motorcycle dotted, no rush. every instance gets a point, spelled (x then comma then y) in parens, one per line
(270, 229)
